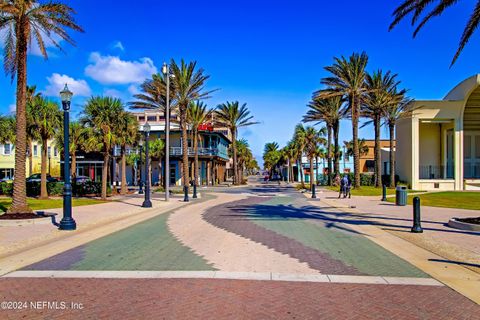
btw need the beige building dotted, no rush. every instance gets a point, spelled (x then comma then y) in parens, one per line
(438, 147)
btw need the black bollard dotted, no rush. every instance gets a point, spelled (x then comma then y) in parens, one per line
(314, 195)
(185, 191)
(384, 192)
(140, 190)
(417, 228)
(194, 191)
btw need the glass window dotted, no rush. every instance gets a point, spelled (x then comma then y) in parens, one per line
(35, 151)
(152, 118)
(7, 149)
(49, 151)
(141, 118)
(55, 152)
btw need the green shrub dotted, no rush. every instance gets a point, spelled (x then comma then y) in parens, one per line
(55, 188)
(90, 188)
(6, 188)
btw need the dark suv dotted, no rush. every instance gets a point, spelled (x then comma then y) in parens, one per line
(37, 177)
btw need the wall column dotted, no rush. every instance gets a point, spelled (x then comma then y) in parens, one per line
(458, 154)
(415, 153)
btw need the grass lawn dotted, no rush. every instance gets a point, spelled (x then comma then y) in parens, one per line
(37, 204)
(369, 191)
(449, 199)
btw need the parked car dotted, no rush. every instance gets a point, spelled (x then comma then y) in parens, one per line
(37, 177)
(82, 179)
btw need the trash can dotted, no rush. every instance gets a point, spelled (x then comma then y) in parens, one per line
(401, 196)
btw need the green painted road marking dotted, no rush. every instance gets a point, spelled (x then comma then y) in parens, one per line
(145, 246)
(352, 249)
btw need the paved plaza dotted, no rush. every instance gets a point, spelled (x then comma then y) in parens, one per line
(255, 252)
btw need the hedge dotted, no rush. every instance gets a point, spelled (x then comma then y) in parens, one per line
(366, 179)
(56, 189)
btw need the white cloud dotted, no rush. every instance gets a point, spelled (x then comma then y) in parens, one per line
(113, 70)
(118, 45)
(133, 89)
(56, 83)
(113, 93)
(12, 108)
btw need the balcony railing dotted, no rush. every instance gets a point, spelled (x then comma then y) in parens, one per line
(436, 172)
(177, 151)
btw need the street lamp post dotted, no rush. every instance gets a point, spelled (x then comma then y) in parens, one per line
(67, 222)
(166, 73)
(140, 183)
(147, 203)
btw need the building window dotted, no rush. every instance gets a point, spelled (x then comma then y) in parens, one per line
(49, 151)
(7, 149)
(55, 152)
(152, 118)
(141, 118)
(35, 151)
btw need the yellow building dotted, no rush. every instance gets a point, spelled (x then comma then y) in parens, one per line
(438, 147)
(7, 160)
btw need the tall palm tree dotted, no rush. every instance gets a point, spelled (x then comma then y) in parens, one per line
(291, 155)
(32, 133)
(101, 116)
(244, 156)
(312, 141)
(401, 107)
(127, 134)
(271, 156)
(300, 142)
(380, 86)
(26, 22)
(157, 151)
(418, 8)
(234, 116)
(189, 85)
(347, 80)
(132, 161)
(78, 136)
(329, 111)
(47, 119)
(197, 114)
(362, 147)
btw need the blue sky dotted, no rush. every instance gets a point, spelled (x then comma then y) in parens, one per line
(269, 54)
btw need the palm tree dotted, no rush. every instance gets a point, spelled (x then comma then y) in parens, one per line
(78, 136)
(197, 114)
(126, 136)
(101, 115)
(32, 133)
(271, 156)
(132, 161)
(380, 85)
(348, 80)
(312, 140)
(417, 8)
(330, 111)
(26, 22)
(47, 119)
(362, 147)
(399, 108)
(244, 156)
(7, 129)
(188, 85)
(291, 156)
(157, 150)
(300, 142)
(234, 116)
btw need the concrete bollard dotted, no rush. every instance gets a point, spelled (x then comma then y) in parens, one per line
(417, 228)
(384, 193)
(194, 191)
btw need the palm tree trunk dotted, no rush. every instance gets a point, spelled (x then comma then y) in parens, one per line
(123, 189)
(329, 154)
(356, 152)
(235, 164)
(195, 146)
(183, 123)
(336, 157)
(19, 202)
(43, 179)
(160, 175)
(391, 128)
(300, 169)
(106, 160)
(73, 167)
(316, 167)
(378, 168)
(30, 158)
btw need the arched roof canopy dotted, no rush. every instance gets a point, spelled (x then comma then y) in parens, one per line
(464, 89)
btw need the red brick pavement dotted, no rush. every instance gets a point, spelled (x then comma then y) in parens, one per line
(232, 299)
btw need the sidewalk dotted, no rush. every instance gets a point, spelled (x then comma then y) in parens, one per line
(460, 246)
(14, 239)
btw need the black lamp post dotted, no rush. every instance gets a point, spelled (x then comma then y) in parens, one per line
(67, 222)
(147, 203)
(140, 183)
